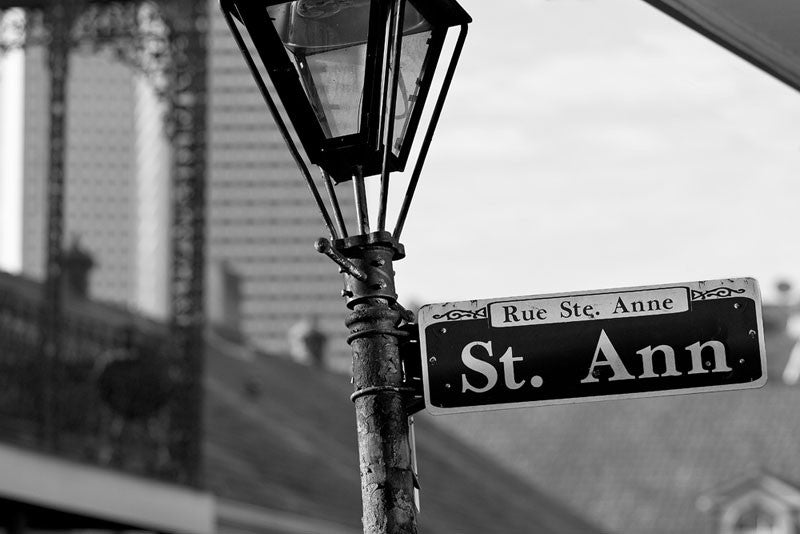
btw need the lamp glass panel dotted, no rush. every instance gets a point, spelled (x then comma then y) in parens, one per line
(416, 37)
(327, 43)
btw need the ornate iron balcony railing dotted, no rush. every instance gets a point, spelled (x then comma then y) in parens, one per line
(112, 396)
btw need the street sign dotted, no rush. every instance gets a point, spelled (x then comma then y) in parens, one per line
(575, 347)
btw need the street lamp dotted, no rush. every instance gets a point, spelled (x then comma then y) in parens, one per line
(352, 77)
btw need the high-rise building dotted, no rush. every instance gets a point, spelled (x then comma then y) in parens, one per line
(262, 218)
(262, 221)
(100, 168)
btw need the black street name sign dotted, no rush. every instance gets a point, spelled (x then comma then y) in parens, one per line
(574, 347)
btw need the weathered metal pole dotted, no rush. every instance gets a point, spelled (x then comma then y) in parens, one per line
(387, 480)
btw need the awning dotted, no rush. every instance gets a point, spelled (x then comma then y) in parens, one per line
(764, 32)
(83, 496)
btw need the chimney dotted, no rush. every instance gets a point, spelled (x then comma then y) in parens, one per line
(224, 300)
(307, 342)
(78, 264)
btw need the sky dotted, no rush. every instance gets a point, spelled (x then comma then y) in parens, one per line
(11, 66)
(588, 144)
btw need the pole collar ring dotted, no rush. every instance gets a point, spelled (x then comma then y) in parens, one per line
(374, 390)
(374, 332)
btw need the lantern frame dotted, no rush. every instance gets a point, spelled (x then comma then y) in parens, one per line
(361, 152)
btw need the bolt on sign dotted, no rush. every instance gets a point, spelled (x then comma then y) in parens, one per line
(586, 346)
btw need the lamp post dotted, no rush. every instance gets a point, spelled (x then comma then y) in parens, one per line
(352, 78)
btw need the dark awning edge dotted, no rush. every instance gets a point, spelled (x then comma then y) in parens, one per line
(755, 41)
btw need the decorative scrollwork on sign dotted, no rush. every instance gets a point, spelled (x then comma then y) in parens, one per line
(717, 293)
(457, 315)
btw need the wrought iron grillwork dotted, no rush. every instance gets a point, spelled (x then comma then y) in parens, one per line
(186, 127)
(117, 385)
(166, 39)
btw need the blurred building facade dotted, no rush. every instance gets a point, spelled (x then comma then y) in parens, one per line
(101, 453)
(262, 222)
(100, 197)
(91, 436)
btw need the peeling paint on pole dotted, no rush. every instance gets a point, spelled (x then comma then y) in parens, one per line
(387, 480)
